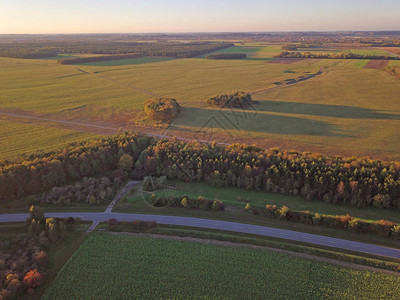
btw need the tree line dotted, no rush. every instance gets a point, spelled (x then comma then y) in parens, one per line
(227, 56)
(287, 54)
(332, 179)
(165, 49)
(41, 172)
(359, 182)
(79, 60)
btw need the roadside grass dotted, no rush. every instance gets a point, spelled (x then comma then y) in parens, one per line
(137, 205)
(21, 206)
(237, 197)
(142, 267)
(59, 254)
(10, 230)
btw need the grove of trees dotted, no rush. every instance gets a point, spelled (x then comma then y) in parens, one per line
(165, 49)
(161, 109)
(359, 182)
(23, 257)
(41, 172)
(332, 179)
(232, 100)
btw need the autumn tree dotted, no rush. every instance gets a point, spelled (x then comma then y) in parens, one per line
(126, 162)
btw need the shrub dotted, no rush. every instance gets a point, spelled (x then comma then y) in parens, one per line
(32, 279)
(162, 109)
(184, 202)
(217, 205)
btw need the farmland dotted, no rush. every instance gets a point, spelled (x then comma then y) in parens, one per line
(140, 266)
(17, 139)
(309, 116)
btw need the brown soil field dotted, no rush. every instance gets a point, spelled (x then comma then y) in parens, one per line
(286, 61)
(376, 64)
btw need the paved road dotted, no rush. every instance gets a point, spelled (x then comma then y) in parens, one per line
(224, 225)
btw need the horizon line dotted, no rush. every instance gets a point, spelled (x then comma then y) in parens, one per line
(207, 32)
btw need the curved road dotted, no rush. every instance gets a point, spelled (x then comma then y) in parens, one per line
(224, 225)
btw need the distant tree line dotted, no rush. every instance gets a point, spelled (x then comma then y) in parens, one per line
(392, 43)
(79, 60)
(286, 54)
(227, 56)
(27, 53)
(165, 49)
(290, 47)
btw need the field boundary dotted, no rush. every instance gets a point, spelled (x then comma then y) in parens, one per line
(320, 72)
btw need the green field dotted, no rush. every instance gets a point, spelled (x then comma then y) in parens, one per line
(124, 267)
(361, 63)
(253, 51)
(19, 138)
(348, 110)
(235, 196)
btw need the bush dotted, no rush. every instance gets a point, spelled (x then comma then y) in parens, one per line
(218, 205)
(232, 100)
(162, 109)
(344, 222)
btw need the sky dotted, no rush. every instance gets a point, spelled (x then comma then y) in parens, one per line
(140, 16)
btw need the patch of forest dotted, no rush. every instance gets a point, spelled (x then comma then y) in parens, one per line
(359, 182)
(164, 49)
(79, 60)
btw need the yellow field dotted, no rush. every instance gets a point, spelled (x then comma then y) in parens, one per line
(347, 110)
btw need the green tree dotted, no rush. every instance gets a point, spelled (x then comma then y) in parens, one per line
(126, 162)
